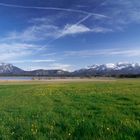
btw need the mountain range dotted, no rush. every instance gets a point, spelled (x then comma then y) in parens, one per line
(111, 69)
(94, 70)
(9, 69)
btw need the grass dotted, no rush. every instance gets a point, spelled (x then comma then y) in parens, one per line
(71, 111)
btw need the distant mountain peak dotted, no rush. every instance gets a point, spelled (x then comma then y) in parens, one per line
(6, 68)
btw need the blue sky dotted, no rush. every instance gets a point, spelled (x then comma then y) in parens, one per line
(69, 34)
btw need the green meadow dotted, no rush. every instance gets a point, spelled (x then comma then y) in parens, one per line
(70, 111)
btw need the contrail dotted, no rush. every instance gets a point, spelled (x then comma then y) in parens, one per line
(60, 36)
(88, 14)
(79, 22)
(52, 8)
(82, 20)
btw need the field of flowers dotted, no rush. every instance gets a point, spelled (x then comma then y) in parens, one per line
(71, 111)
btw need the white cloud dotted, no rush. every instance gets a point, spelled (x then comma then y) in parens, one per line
(48, 32)
(106, 52)
(101, 30)
(33, 33)
(52, 66)
(60, 66)
(10, 51)
(123, 11)
(74, 29)
(33, 61)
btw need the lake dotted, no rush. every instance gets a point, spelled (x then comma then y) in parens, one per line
(15, 78)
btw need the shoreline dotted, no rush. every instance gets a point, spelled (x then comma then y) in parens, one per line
(61, 80)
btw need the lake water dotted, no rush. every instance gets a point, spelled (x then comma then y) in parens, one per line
(15, 78)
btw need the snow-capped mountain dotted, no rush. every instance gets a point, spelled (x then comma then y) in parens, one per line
(117, 66)
(9, 69)
(111, 69)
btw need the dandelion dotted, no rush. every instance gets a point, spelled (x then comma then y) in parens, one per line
(69, 134)
(34, 129)
(107, 128)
